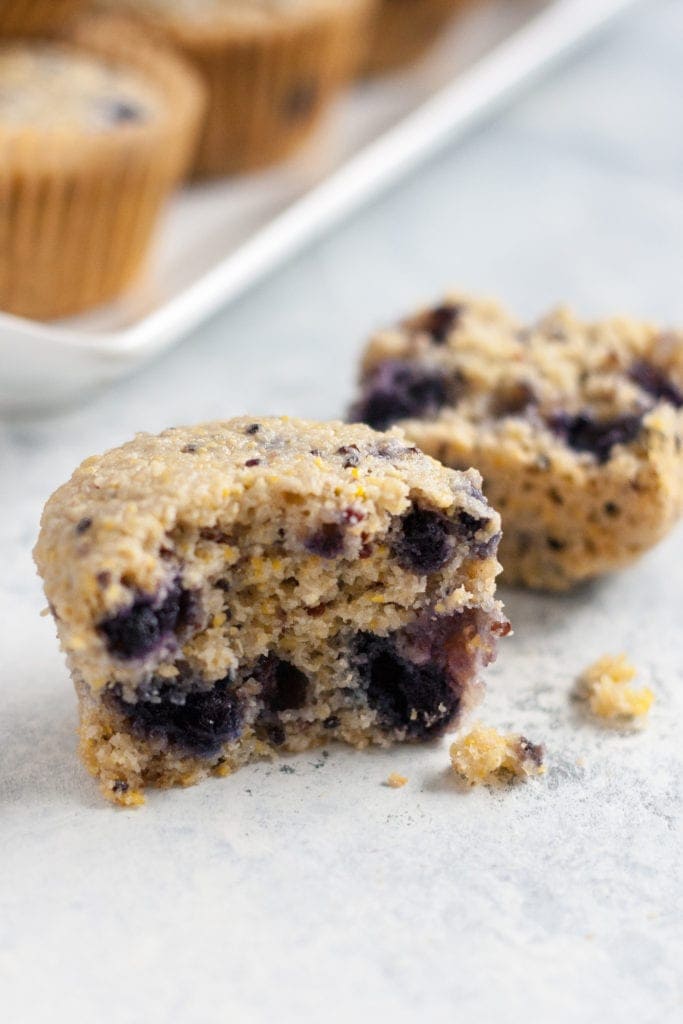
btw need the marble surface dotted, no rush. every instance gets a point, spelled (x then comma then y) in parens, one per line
(319, 893)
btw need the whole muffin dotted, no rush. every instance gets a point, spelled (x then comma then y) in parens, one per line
(272, 67)
(404, 29)
(93, 137)
(36, 17)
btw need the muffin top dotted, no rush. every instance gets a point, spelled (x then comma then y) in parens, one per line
(49, 86)
(234, 13)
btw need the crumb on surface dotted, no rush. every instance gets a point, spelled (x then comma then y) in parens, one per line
(605, 686)
(484, 754)
(396, 781)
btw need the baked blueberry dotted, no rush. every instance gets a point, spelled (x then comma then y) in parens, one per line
(397, 390)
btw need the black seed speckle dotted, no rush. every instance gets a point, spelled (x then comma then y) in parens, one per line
(331, 722)
(397, 390)
(425, 542)
(83, 525)
(253, 428)
(252, 462)
(120, 786)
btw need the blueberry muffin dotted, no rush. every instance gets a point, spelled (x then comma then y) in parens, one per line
(238, 589)
(93, 137)
(37, 17)
(403, 30)
(271, 67)
(576, 428)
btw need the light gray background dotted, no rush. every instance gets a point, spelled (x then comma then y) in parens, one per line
(322, 894)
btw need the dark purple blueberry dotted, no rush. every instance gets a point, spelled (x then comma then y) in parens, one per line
(149, 622)
(252, 462)
(439, 322)
(327, 541)
(416, 698)
(284, 687)
(253, 428)
(83, 525)
(583, 433)
(470, 525)
(119, 786)
(425, 542)
(656, 382)
(301, 100)
(397, 390)
(198, 722)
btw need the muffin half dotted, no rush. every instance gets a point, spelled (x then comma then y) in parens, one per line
(233, 590)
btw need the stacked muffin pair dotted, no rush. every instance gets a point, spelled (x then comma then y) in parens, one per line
(97, 130)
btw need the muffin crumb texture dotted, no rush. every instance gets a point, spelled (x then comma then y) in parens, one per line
(605, 687)
(484, 755)
(396, 781)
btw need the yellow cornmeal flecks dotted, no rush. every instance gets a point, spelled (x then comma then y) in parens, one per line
(484, 755)
(605, 685)
(396, 781)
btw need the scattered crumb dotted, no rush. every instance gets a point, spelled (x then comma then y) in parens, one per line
(485, 754)
(396, 781)
(605, 685)
(119, 792)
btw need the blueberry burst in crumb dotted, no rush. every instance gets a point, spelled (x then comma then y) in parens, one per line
(261, 586)
(577, 429)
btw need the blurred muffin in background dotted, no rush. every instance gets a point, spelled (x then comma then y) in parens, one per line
(94, 134)
(272, 68)
(36, 17)
(404, 29)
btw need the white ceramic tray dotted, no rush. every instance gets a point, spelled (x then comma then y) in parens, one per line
(218, 238)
